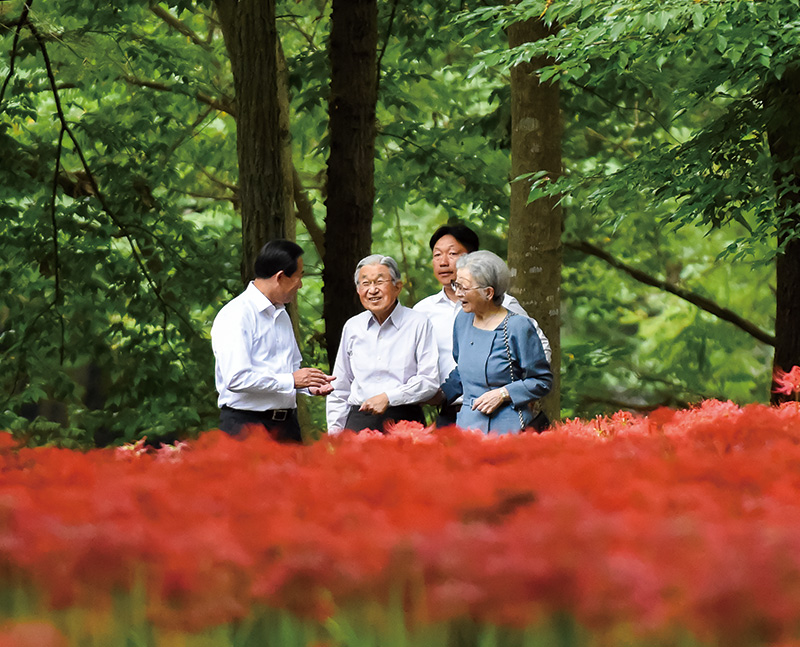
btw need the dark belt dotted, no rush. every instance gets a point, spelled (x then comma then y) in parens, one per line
(270, 414)
(358, 420)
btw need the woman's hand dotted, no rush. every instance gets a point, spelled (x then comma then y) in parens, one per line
(490, 401)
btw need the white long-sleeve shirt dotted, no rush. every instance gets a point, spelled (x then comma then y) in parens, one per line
(398, 357)
(442, 313)
(255, 352)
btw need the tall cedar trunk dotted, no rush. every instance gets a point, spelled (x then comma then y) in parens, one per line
(251, 38)
(534, 237)
(784, 142)
(350, 184)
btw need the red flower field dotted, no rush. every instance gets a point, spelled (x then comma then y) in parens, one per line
(678, 523)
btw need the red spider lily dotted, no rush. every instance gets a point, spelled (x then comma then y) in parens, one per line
(31, 634)
(7, 441)
(681, 519)
(787, 383)
(129, 450)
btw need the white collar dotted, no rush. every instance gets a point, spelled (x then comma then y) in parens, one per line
(262, 302)
(395, 317)
(443, 298)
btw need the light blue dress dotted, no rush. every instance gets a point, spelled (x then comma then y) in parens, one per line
(482, 365)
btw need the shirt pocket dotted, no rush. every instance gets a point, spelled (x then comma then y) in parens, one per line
(263, 345)
(362, 357)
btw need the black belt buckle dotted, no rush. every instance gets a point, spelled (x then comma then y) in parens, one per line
(279, 415)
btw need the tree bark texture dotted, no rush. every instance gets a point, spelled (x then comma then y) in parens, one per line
(350, 181)
(284, 128)
(251, 38)
(534, 236)
(783, 126)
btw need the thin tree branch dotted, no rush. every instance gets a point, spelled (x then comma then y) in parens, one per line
(56, 261)
(322, 12)
(695, 299)
(305, 214)
(225, 105)
(445, 162)
(615, 145)
(23, 20)
(98, 194)
(217, 181)
(181, 27)
(292, 19)
(212, 20)
(636, 109)
(385, 45)
(207, 196)
(23, 354)
(187, 133)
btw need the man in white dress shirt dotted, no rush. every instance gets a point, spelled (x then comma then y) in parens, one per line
(448, 244)
(257, 370)
(387, 363)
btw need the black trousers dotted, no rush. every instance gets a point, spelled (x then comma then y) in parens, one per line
(281, 424)
(447, 415)
(359, 420)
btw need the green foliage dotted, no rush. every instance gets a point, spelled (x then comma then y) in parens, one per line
(114, 269)
(441, 149)
(370, 624)
(105, 325)
(699, 72)
(665, 126)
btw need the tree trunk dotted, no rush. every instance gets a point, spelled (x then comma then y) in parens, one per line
(350, 182)
(284, 129)
(251, 38)
(534, 237)
(783, 124)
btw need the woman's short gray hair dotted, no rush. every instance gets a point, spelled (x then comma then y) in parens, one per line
(379, 259)
(489, 270)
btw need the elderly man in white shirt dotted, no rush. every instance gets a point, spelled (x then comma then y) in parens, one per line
(448, 244)
(257, 360)
(388, 362)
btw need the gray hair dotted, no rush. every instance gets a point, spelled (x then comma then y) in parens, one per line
(489, 270)
(379, 259)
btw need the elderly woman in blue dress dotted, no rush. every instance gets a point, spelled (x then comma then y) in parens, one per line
(501, 365)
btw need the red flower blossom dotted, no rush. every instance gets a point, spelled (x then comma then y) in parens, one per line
(687, 518)
(7, 441)
(31, 634)
(787, 383)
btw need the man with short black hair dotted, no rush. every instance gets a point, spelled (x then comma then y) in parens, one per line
(449, 243)
(257, 370)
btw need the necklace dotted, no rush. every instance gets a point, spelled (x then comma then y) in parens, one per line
(490, 322)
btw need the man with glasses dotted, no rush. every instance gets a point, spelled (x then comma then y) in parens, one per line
(388, 361)
(448, 244)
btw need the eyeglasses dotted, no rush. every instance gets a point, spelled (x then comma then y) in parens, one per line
(457, 287)
(378, 283)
